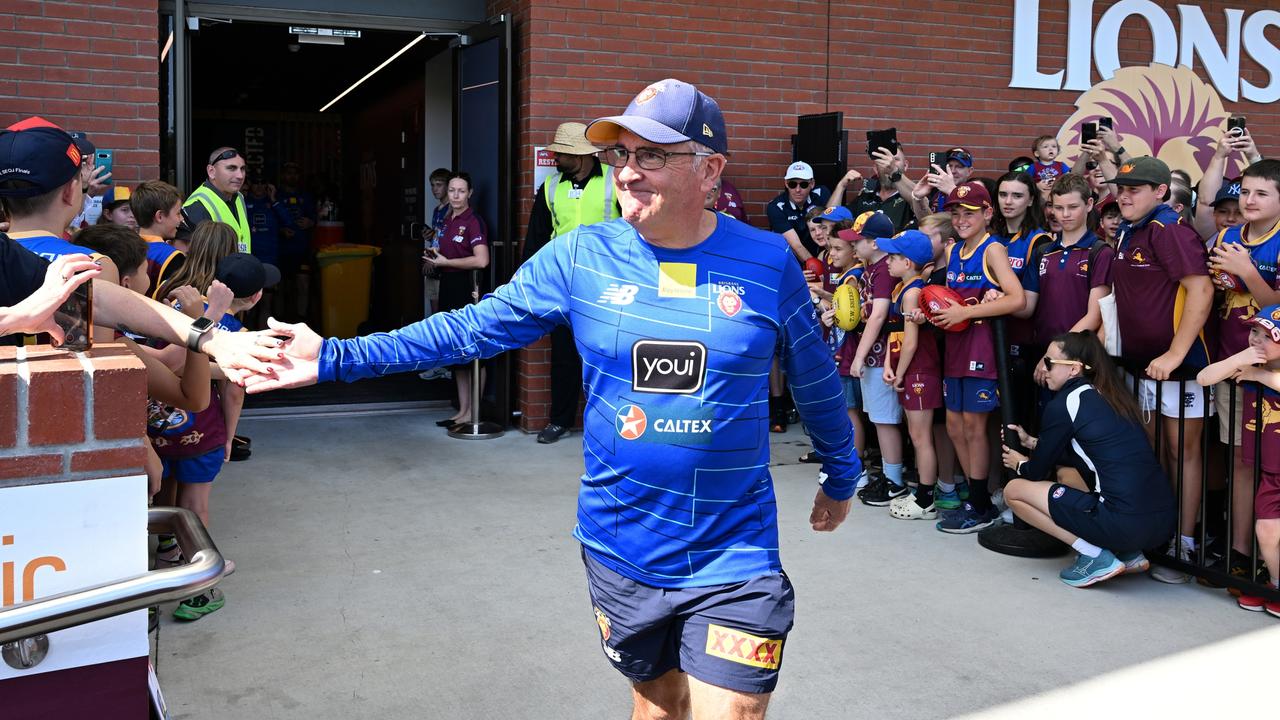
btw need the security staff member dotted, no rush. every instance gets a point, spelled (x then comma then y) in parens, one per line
(219, 198)
(579, 192)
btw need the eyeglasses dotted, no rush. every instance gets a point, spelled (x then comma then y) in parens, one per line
(802, 184)
(1050, 362)
(225, 155)
(646, 157)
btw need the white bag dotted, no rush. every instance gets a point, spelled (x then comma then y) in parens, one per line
(1110, 324)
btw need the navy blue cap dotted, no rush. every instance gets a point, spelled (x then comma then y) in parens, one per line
(667, 112)
(86, 146)
(871, 225)
(912, 244)
(39, 152)
(245, 274)
(1230, 190)
(835, 214)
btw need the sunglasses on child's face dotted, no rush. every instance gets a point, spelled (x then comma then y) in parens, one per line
(1050, 362)
(802, 184)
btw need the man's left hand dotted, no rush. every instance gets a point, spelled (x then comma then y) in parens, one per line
(828, 513)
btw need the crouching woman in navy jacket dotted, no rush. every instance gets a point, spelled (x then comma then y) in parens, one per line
(1093, 423)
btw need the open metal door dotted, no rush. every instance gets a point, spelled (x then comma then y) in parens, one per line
(484, 134)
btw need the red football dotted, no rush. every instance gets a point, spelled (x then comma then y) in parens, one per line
(815, 266)
(934, 298)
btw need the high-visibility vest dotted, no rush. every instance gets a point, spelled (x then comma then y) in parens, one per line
(220, 212)
(595, 203)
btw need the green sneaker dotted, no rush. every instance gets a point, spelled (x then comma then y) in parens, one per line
(200, 605)
(962, 489)
(946, 500)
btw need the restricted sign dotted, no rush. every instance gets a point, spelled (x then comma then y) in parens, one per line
(544, 164)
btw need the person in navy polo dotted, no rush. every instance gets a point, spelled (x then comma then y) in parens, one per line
(786, 212)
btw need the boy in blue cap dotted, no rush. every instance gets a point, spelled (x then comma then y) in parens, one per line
(913, 368)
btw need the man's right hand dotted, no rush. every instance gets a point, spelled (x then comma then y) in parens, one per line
(827, 512)
(298, 367)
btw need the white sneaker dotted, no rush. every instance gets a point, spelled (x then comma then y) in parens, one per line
(1006, 516)
(1169, 575)
(997, 499)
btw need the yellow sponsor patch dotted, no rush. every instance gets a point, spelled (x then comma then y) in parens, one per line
(677, 280)
(737, 646)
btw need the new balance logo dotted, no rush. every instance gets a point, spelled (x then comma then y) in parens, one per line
(617, 294)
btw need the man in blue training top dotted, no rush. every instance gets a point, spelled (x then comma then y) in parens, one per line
(678, 313)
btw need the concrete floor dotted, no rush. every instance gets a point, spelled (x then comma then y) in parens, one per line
(388, 571)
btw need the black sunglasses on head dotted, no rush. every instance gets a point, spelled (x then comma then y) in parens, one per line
(225, 155)
(802, 184)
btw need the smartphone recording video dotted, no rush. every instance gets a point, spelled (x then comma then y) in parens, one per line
(1088, 132)
(1235, 126)
(75, 317)
(887, 139)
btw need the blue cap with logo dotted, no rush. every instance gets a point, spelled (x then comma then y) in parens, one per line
(911, 244)
(1268, 318)
(40, 153)
(667, 112)
(1230, 190)
(835, 214)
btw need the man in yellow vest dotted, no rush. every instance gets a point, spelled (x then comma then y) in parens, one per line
(579, 192)
(218, 198)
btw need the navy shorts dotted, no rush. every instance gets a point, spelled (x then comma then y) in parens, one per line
(730, 636)
(198, 469)
(1084, 515)
(971, 395)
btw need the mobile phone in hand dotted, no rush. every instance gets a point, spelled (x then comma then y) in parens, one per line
(887, 139)
(1235, 126)
(939, 159)
(75, 317)
(1106, 123)
(104, 159)
(1088, 132)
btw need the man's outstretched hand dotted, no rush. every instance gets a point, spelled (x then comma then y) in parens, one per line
(828, 513)
(299, 366)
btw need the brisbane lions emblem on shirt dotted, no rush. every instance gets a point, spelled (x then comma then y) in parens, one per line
(729, 302)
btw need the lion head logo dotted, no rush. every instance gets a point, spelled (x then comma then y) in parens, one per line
(963, 190)
(649, 93)
(861, 220)
(1158, 110)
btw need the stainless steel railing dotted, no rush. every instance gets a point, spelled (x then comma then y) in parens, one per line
(77, 607)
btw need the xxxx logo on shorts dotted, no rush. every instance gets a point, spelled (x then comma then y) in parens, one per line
(603, 621)
(737, 646)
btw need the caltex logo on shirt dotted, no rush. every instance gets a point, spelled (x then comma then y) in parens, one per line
(631, 422)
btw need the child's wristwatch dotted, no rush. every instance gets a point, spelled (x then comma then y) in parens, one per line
(199, 328)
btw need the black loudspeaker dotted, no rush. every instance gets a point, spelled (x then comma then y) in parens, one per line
(822, 141)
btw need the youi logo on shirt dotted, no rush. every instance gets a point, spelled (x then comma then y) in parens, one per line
(668, 366)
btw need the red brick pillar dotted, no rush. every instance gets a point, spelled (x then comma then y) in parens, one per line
(73, 514)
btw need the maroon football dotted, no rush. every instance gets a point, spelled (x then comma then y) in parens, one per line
(934, 298)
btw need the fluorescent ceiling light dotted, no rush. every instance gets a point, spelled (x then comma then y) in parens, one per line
(372, 72)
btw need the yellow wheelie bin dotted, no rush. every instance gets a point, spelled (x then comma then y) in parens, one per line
(345, 274)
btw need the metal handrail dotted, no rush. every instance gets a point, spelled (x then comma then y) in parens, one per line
(77, 607)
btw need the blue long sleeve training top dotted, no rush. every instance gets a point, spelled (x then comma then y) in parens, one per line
(676, 347)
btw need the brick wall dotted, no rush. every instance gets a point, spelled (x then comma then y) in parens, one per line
(939, 72)
(92, 67)
(64, 417)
